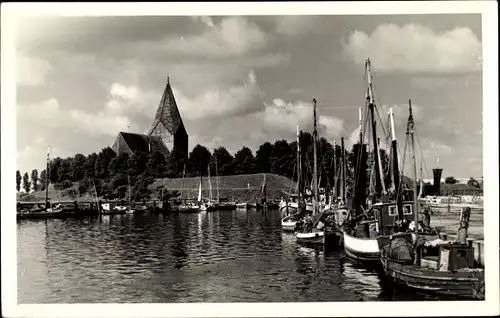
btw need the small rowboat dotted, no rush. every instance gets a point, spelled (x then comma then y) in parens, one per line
(311, 237)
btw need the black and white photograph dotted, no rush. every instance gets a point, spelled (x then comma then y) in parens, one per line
(250, 159)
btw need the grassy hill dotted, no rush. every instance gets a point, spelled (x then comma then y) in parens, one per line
(241, 187)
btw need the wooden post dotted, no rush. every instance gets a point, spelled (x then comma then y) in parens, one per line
(464, 225)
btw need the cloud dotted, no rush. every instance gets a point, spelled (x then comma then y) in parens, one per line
(49, 114)
(414, 48)
(280, 115)
(31, 71)
(220, 101)
(293, 25)
(232, 36)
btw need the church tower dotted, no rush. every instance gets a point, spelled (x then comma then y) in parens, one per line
(168, 125)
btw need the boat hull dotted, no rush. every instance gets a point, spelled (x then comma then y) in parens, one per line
(362, 249)
(288, 226)
(311, 238)
(189, 209)
(465, 284)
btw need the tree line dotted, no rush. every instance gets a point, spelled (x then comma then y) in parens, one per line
(109, 175)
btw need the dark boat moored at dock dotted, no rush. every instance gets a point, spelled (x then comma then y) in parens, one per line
(448, 273)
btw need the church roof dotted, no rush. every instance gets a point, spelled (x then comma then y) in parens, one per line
(167, 113)
(142, 143)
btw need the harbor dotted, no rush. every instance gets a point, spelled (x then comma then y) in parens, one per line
(252, 159)
(226, 256)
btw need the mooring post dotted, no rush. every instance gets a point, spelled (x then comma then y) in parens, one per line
(464, 225)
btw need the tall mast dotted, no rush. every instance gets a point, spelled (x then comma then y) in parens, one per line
(360, 126)
(217, 178)
(379, 184)
(335, 185)
(396, 179)
(129, 196)
(209, 184)
(183, 175)
(47, 177)
(315, 172)
(343, 172)
(411, 130)
(298, 163)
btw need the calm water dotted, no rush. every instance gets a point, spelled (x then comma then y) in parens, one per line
(227, 256)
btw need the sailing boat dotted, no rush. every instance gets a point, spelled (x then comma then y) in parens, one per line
(413, 260)
(129, 209)
(290, 204)
(291, 218)
(209, 205)
(190, 207)
(310, 232)
(48, 210)
(386, 213)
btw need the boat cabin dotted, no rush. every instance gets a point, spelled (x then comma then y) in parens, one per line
(386, 215)
(446, 256)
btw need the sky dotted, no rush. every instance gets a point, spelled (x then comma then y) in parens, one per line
(243, 80)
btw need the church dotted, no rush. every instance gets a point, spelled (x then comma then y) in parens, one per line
(167, 132)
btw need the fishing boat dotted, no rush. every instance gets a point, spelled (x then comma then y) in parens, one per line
(310, 229)
(388, 211)
(432, 265)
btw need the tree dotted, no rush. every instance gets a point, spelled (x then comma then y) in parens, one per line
(18, 181)
(473, 183)
(450, 180)
(199, 159)
(224, 161)
(244, 161)
(43, 179)
(263, 158)
(174, 164)
(26, 182)
(282, 159)
(155, 165)
(78, 167)
(34, 179)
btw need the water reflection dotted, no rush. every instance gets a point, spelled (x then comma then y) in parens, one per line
(225, 256)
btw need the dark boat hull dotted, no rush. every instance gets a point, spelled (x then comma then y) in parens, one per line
(467, 284)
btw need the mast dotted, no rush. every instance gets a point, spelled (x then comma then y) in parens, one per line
(199, 190)
(47, 177)
(217, 178)
(335, 186)
(411, 130)
(183, 174)
(209, 184)
(298, 163)
(343, 171)
(360, 126)
(396, 179)
(379, 184)
(315, 172)
(129, 196)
